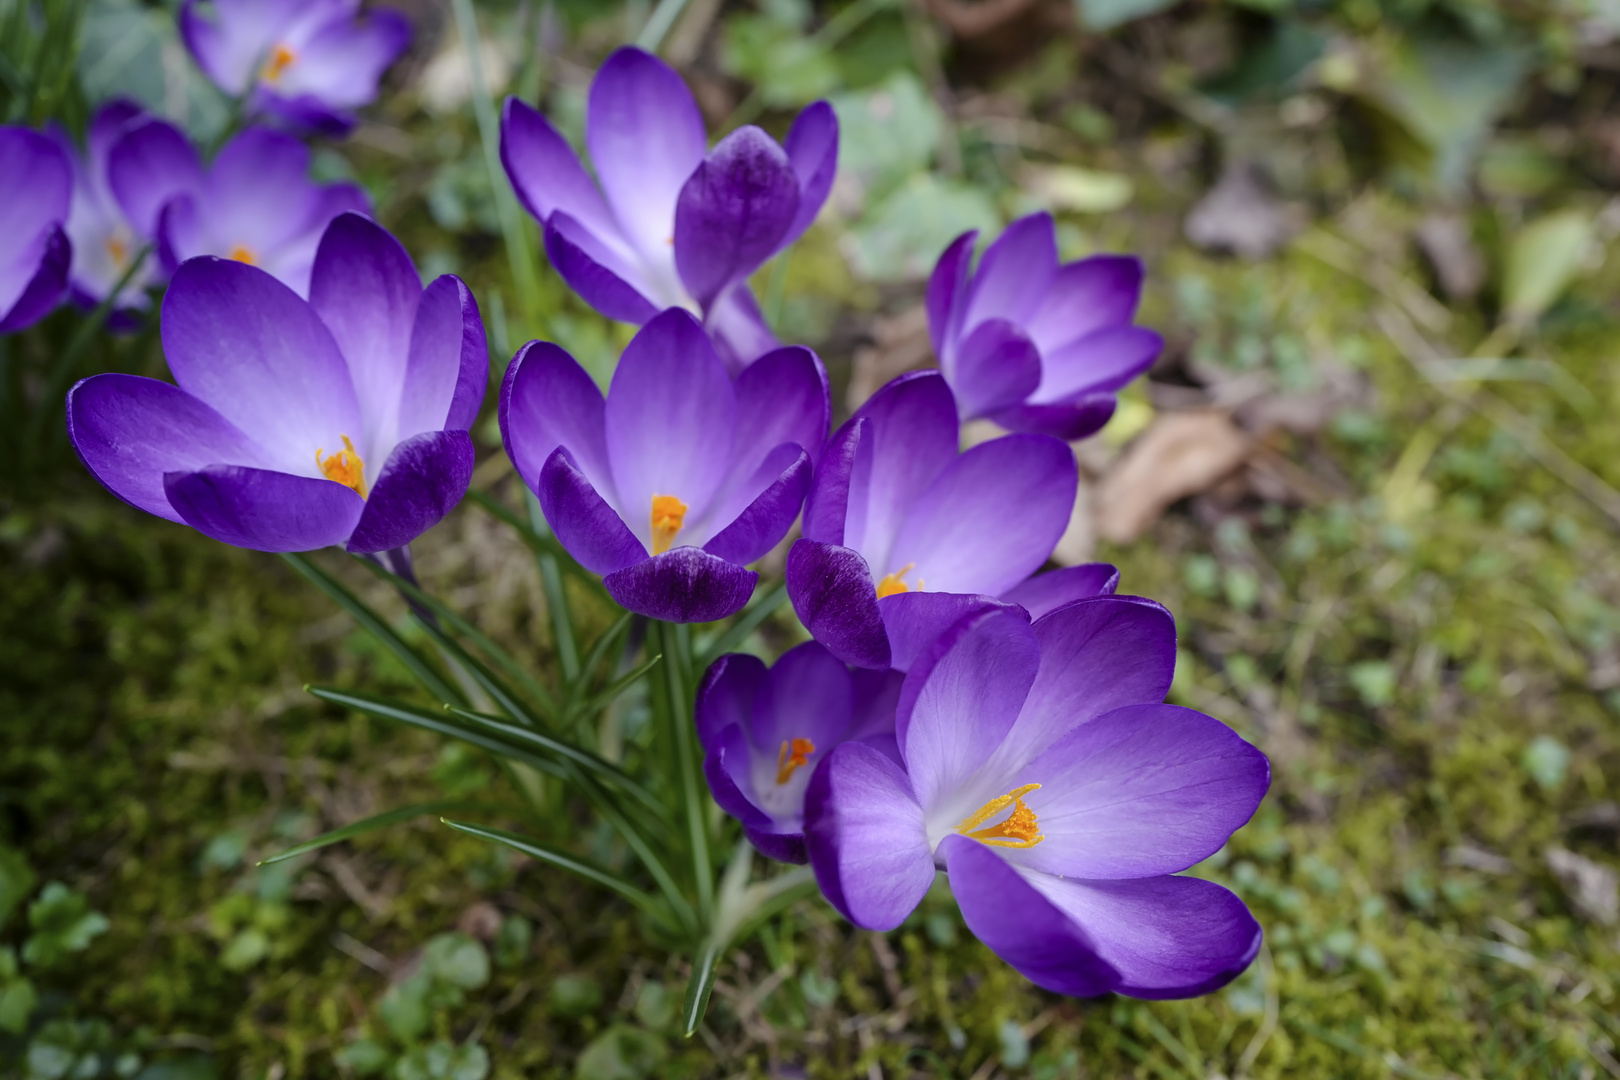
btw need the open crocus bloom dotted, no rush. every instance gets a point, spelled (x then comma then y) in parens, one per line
(36, 187)
(132, 166)
(257, 205)
(1030, 344)
(766, 730)
(298, 424)
(1042, 773)
(682, 476)
(673, 224)
(902, 530)
(309, 63)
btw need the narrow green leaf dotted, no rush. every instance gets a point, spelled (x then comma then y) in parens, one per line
(378, 627)
(617, 687)
(737, 632)
(537, 542)
(365, 825)
(699, 988)
(594, 657)
(562, 619)
(641, 898)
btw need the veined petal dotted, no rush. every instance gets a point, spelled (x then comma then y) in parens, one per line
(1014, 274)
(835, 597)
(863, 830)
(995, 367)
(684, 585)
(727, 768)
(584, 523)
(423, 479)
(1045, 593)
(733, 212)
(548, 401)
(826, 508)
(812, 147)
(262, 509)
(783, 397)
(807, 694)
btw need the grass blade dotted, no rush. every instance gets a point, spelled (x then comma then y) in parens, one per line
(618, 686)
(639, 897)
(752, 616)
(698, 989)
(365, 825)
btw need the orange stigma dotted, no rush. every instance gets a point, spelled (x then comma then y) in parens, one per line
(890, 584)
(1019, 830)
(281, 58)
(668, 515)
(792, 756)
(344, 467)
(243, 254)
(118, 250)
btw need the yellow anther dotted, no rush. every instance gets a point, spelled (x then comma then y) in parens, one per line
(344, 467)
(890, 584)
(118, 250)
(1019, 830)
(281, 58)
(244, 254)
(668, 515)
(792, 755)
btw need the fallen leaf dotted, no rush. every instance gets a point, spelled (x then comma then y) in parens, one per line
(1593, 889)
(1180, 454)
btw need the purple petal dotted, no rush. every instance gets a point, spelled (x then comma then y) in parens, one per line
(1140, 791)
(914, 620)
(960, 699)
(1085, 297)
(646, 137)
(548, 177)
(996, 367)
(738, 328)
(726, 695)
(992, 518)
(40, 291)
(422, 481)
(1014, 274)
(946, 286)
(835, 597)
(733, 212)
(1168, 937)
(341, 64)
(129, 431)
(1047, 592)
(548, 401)
(764, 521)
(783, 397)
(683, 585)
(1106, 360)
(305, 114)
(670, 418)
(910, 437)
(1070, 421)
(228, 45)
(1096, 656)
(447, 368)
(112, 119)
(726, 769)
(783, 847)
(876, 693)
(262, 509)
(812, 147)
(294, 260)
(1020, 925)
(36, 193)
(585, 524)
(242, 342)
(826, 508)
(864, 832)
(366, 289)
(150, 164)
(591, 270)
(807, 695)
(258, 194)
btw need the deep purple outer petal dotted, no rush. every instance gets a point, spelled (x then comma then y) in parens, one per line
(865, 836)
(547, 400)
(44, 290)
(422, 481)
(1085, 297)
(767, 519)
(1102, 361)
(726, 694)
(826, 507)
(584, 522)
(264, 510)
(733, 212)
(914, 620)
(996, 366)
(1020, 925)
(910, 438)
(788, 847)
(448, 349)
(1045, 593)
(1014, 274)
(812, 147)
(547, 174)
(304, 114)
(946, 286)
(835, 597)
(609, 293)
(683, 585)
(1071, 421)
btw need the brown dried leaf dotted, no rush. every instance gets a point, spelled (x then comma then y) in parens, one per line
(1181, 454)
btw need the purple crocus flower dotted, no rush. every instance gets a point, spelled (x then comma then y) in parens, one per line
(1030, 344)
(132, 166)
(309, 63)
(257, 205)
(36, 187)
(298, 424)
(682, 476)
(903, 535)
(766, 730)
(1041, 772)
(680, 225)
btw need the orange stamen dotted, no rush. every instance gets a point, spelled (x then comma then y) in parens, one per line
(668, 515)
(118, 249)
(1019, 830)
(281, 58)
(890, 584)
(344, 467)
(243, 255)
(793, 755)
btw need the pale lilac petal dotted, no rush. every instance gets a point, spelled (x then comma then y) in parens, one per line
(807, 695)
(342, 63)
(422, 481)
(727, 768)
(768, 517)
(733, 212)
(812, 147)
(548, 177)
(1047, 592)
(960, 698)
(683, 585)
(245, 344)
(670, 417)
(1140, 791)
(147, 166)
(914, 620)
(294, 261)
(129, 431)
(946, 287)
(836, 599)
(1017, 269)
(738, 328)
(1105, 360)
(991, 518)
(264, 510)
(548, 401)
(909, 439)
(646, 137)
(1085, 297)
(997, 366)
(726, 695)
(864, 832)
(222, 57)
(610, 285)
(585, 524)
(447, 367)
(257, 194)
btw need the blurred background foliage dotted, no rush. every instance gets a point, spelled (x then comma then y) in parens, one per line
(1372, 476)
